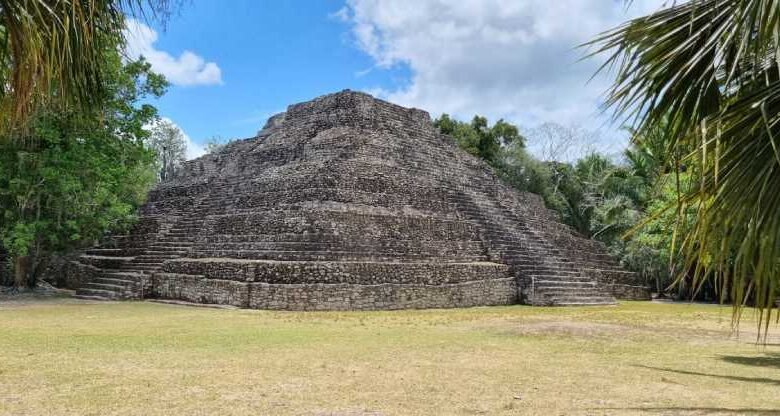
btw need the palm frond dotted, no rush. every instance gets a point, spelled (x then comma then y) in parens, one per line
(51, 51)
(706, 73)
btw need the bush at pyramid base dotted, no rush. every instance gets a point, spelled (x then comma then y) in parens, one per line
(349, 202)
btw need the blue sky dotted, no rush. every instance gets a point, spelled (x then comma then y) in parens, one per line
(234, 63)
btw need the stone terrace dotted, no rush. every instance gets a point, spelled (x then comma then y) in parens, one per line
(349, 202)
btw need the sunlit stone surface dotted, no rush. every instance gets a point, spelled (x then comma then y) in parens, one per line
(349, 202)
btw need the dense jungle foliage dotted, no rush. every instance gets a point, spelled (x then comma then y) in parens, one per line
(73, 175)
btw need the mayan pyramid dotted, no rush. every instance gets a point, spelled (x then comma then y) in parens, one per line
(349, 202)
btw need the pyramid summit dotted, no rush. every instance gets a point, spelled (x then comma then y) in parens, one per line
(349, 202)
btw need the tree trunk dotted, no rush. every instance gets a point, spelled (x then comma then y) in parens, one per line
(38, 268)
(21, 271)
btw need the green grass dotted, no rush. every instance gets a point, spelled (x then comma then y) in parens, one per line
(67, 357)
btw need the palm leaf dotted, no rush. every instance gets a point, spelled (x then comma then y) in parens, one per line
(51, 52)
(706, 72)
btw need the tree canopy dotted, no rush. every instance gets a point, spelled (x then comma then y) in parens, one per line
(478, 138)
(85, 172)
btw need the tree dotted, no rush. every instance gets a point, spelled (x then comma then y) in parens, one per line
(51, 53)
(216, 144)
(169, 144)
(478, 138)
(708, 69)
(556, 142)
(649, 248)
(526, 173)
(84, 173)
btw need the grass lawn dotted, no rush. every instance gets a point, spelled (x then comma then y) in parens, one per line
(62, 356)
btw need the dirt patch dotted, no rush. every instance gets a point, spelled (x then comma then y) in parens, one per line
(44, 293)
(572, 328)
(589, 329)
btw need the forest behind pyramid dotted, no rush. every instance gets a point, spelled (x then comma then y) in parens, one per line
(349, 202)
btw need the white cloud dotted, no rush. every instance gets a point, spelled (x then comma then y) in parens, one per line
(187, 69)
(194, 150)
(509, 59)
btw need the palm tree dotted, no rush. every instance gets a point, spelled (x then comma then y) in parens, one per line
(711, 68)
(51, 50)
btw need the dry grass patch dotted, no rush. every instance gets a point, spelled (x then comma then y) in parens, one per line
(65, 357)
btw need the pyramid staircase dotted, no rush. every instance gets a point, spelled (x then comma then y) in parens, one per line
(126, 276)
(549, 278)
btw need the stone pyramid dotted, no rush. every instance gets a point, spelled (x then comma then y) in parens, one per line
(349, 202)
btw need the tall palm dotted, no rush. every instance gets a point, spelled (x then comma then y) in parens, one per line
(50, 51)
(712, 68)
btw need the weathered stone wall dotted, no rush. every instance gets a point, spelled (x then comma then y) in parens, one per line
(382, 296)
(335, 285)
(346, 202)
(75, 274)
(331, 272)
(622, 284)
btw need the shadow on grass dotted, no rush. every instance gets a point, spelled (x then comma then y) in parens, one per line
(700, 410)
(726, 377)
(766, 360)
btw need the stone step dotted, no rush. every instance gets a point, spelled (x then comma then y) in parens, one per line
(572, 301)
(195, 229)
(564, 294)
(541, 263)
(542, 267)
(164, 252)
(105, 252)
(104, 286)
(524, 255)
(303, 238)
(584, 301)
(176, 239)
(149, 260)
(121, 273)
(567, 293)
(104, 262)
(91, 297)
(141, 267)
(563, 285)
(609, 270)
(330, 255)
(142, 272)
(116, 282)
(107, 294)
(327, 244)
(146, 266)
(127, 270)
(559, 278)
(101, 257)
(168, 246)
(542, 271)
(155, 257)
